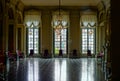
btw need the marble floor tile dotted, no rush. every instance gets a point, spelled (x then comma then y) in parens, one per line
(54, 69)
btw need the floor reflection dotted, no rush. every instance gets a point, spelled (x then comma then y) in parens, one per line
(60, 70)
(55, 69)
(33, 70)
(87, 72)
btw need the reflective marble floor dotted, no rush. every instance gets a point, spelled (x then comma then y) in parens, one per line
(54, 69)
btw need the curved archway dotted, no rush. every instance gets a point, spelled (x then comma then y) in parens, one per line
(101, 15)
(10, 13)
(19, 18)
(108, 13)
(11, 27)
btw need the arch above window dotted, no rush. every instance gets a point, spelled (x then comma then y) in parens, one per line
(88, 20)
(60, 18)
(32, 19)
(11, 13)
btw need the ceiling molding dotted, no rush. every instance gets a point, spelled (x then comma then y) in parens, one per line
(80, 8)
(63, 2)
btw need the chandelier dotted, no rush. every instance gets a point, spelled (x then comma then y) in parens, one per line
(59, 20)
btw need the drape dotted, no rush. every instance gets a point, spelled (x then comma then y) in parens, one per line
(88, 20)
(32, 20)
(60, 18)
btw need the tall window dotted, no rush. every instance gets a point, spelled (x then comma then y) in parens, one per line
(60, 31)
(88, 25)
(33, 40)
(32, 23)
(88, 40)
(60, 40)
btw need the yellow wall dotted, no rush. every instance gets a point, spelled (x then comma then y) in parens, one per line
(75, 30)
(46, 30)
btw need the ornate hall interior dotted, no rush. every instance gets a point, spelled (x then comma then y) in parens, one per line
(58, 40)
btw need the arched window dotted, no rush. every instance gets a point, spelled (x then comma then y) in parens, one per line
(88, 25)
(32, 23)
(60, 31)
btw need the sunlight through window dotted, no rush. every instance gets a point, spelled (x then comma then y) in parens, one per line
(87, 70)
(33, 70)
(60, 70)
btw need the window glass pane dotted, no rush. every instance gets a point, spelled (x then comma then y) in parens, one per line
(88, 40)
(33, 40)
(60, 40)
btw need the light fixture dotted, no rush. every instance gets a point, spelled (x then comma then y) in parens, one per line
(59, 22)
(59, 17)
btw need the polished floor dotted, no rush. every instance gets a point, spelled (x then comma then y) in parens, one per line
(54, 69)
